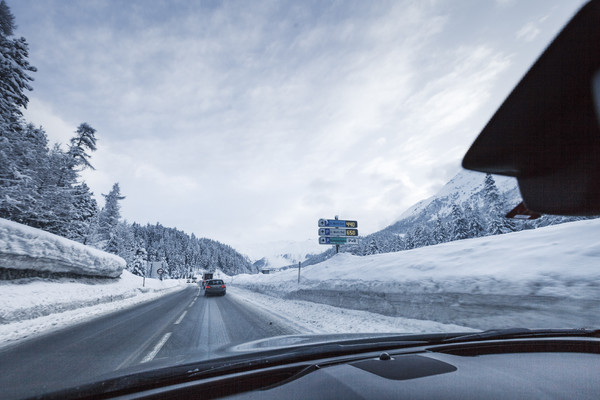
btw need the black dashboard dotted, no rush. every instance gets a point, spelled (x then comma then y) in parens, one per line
(550, 368)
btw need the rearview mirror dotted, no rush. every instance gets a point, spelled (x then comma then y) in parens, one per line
(547, 131)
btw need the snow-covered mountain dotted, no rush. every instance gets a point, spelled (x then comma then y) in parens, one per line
(470, 205)
(465, 187)
(282, 253)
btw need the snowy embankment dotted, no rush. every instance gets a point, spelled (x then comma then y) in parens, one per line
(549, 277)
(309, 317)
(23, 248)
(34, 305)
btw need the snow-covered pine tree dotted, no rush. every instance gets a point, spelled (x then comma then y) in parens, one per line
(475, 224)
(459, 224)
(372, 247)
(84, 211)
(23, 161)
(108, 220)
(421, 236)
(140, 259)
(14, 71)
(83, 141)
(497, 223)
(439, 232)
(18, 161)
(123, 243)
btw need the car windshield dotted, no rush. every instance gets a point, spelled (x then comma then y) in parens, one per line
(178, 179)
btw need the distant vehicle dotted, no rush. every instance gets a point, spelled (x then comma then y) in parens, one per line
(187, 281)
(215, 287)
(206, 277)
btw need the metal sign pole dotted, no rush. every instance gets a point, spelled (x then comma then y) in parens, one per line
(337, 246)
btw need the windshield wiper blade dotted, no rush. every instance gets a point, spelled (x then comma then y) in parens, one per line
(515, 333)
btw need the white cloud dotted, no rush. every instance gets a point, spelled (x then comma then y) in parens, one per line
(248, 121)
(528, 32)
(40, 113)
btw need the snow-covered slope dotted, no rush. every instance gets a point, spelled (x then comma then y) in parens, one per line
(282, 253)
(536, 278)
(464, 187)
(26, 248)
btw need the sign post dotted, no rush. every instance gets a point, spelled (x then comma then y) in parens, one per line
(299, 264)
(337, 231)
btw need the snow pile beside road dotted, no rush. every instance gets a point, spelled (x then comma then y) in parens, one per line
(32, 305)
(26, 248)
(309, 317)
(547, 277)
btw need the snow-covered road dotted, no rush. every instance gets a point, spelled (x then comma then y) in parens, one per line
(32, 306)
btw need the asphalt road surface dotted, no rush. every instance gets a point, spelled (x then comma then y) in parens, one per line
(177, 327)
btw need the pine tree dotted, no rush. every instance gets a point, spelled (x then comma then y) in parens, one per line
(23, 163)
(421, 237)
(440, 231)
(475, 226)
(460, 226)
(83, 141)
(409, 240)
(372, 247)
(497, 223)
(140, 259)
(14, 69)
(83, 213)
(108, 219)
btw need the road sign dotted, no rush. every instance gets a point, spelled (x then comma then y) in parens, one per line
(337, 232)
(337, 223)
(337, 240)
(160, 271)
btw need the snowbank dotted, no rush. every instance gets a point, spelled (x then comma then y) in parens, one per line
(33, 305)
(544, 277)
(26, 248)
(309, 317)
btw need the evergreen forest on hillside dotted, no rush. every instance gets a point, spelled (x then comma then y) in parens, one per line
(41, 185)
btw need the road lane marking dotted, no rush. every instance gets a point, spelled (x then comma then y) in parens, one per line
(156, 348)
(180, 318)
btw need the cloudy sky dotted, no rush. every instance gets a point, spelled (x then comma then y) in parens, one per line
(247, 121)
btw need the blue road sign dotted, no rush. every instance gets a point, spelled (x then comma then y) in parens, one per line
(337, 232)
(337, 223)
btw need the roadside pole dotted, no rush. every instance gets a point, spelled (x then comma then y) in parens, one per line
(337, 246)
(299, 264)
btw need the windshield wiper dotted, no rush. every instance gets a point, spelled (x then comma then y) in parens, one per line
(521, 333)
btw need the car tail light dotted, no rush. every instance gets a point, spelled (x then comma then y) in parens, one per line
(222, 286)
(208, 287)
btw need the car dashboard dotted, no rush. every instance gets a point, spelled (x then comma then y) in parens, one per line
(549, 368)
